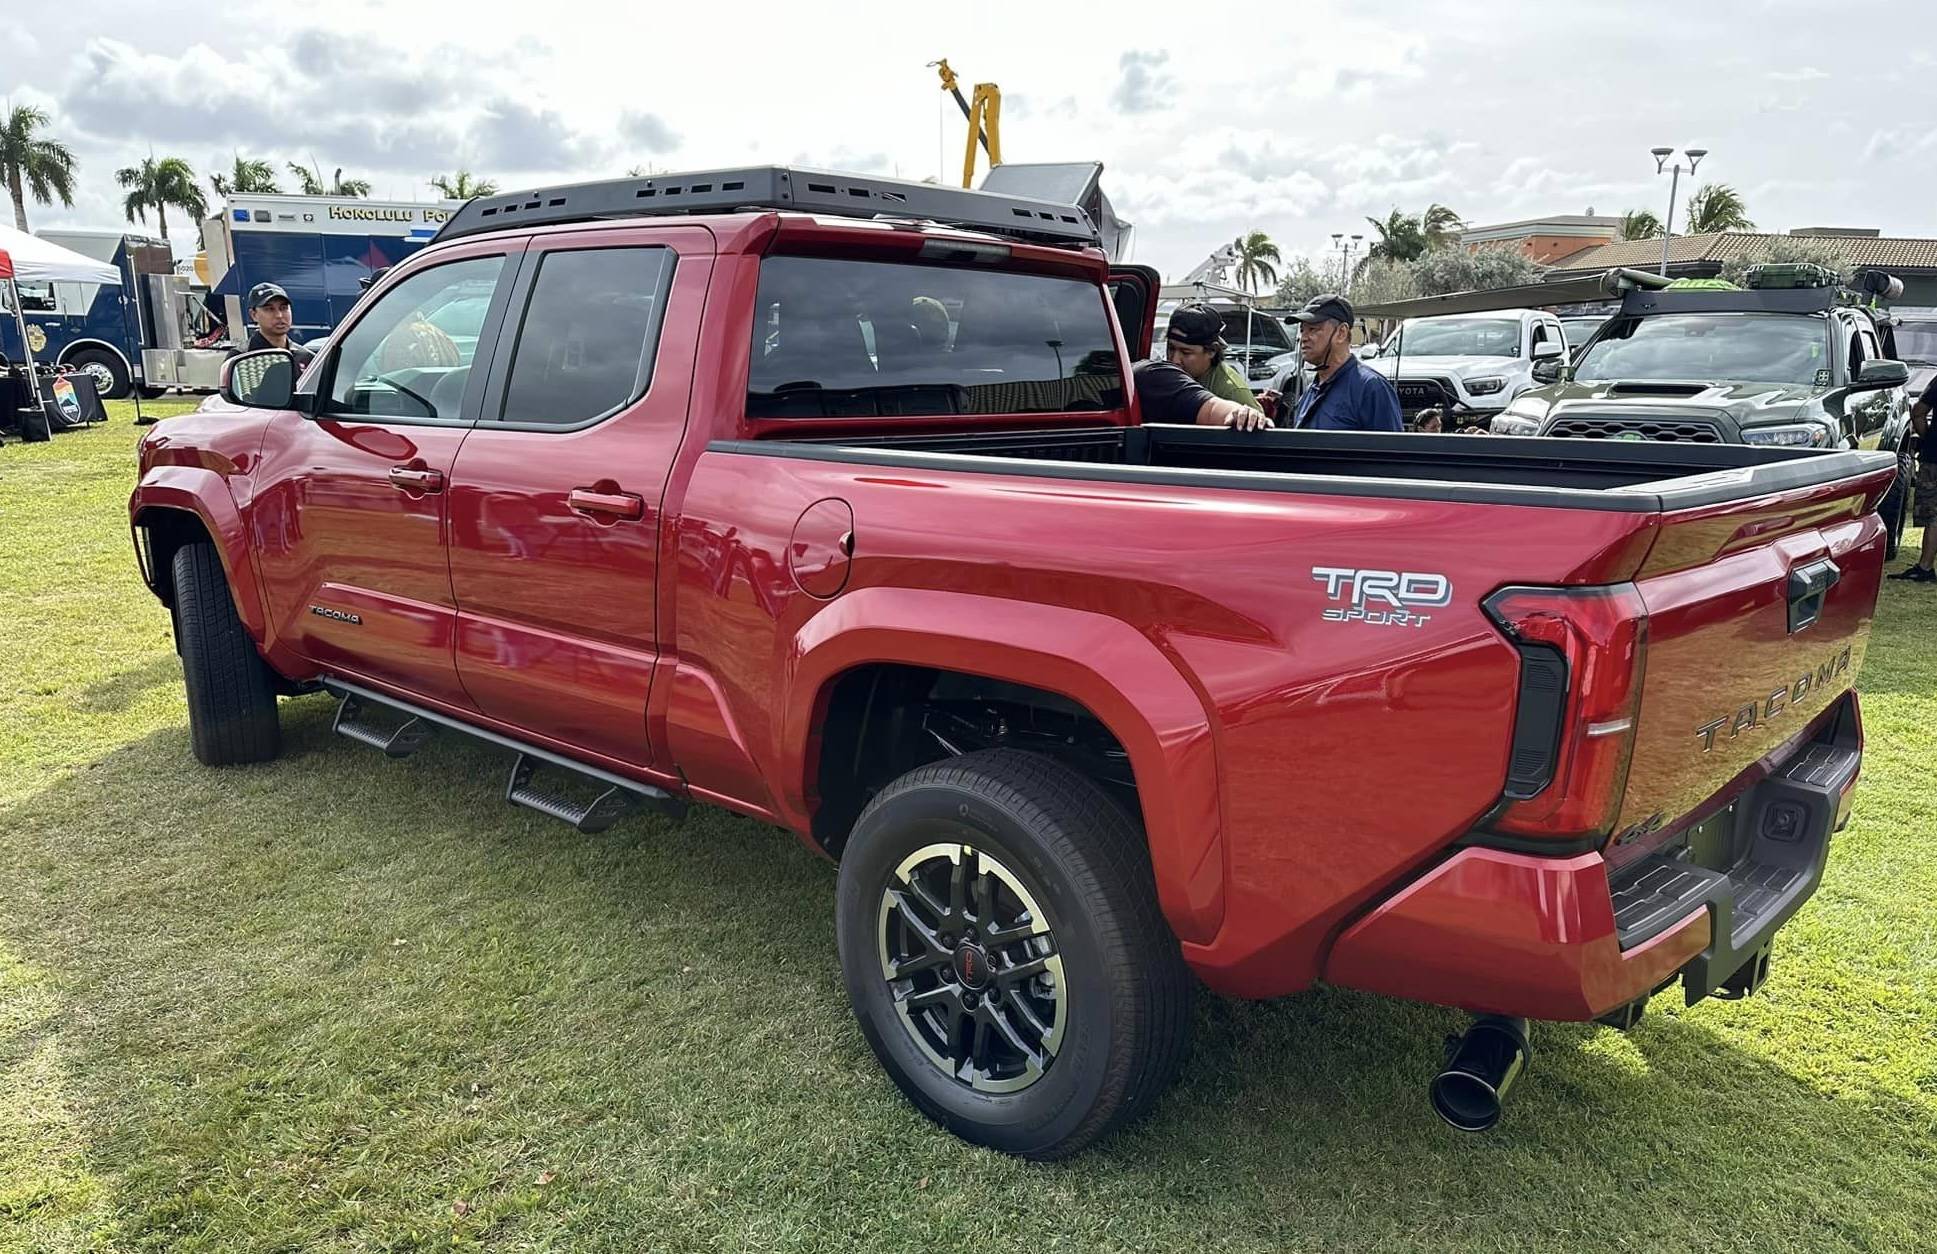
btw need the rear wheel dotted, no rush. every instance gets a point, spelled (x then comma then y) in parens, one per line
(1005, 955)
(111, 380)
(231, 703)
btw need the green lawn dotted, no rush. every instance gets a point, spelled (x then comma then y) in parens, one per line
(342, 1003)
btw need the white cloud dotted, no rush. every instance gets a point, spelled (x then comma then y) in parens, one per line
(1290, 125)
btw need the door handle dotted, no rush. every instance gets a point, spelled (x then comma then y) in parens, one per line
(416, 479)
(611, 504)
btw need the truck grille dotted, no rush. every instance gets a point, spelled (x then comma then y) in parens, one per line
(1666, 430)
(1418, 394)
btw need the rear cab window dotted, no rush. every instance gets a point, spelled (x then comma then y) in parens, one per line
(843, 338)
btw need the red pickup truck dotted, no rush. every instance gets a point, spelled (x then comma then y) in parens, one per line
(826, 500)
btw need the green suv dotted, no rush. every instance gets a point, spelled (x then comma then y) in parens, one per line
(1795, 360)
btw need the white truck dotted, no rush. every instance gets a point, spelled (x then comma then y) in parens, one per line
(1468, 364)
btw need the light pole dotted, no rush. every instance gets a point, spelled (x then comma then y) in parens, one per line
(1661, 156)
(1345, 251)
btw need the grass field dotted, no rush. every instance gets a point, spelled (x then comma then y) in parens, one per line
(341, 1003)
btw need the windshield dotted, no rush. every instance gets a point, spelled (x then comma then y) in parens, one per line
(1917, 341)
(1265, 331)
(1457, 337)
(1744, 348)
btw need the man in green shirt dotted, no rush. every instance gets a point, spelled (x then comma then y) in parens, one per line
(1195, 344)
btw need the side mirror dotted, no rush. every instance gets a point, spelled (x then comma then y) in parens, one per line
(1548, 350)
(1874, 375)
(264, 379)
(1546, 370)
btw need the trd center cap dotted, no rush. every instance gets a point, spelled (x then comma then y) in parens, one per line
(972, 967)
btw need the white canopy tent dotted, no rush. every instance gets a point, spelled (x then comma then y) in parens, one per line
(24, 256)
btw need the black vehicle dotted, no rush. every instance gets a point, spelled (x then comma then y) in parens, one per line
(1795, 361)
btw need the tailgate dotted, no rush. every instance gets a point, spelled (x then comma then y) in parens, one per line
(1758, 615)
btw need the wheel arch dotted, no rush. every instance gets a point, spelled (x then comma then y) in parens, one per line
(68, 353)
(1101, 666)
(179, 505)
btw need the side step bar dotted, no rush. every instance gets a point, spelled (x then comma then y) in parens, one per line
(616, 798)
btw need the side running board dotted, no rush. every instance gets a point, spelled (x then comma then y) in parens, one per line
(616, 795)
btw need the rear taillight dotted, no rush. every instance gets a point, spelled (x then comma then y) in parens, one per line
(1582, 652)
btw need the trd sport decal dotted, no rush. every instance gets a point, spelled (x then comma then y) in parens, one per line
(1382, 598)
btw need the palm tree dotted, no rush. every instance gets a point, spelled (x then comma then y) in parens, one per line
(249, 177)
(311, 181)
(1401, 238)
(1257, 259)
(31, 164)
(1717, 207)
(340, 186)
(463, 186)
(157, 183)
(1440, 225)
(1637, 224)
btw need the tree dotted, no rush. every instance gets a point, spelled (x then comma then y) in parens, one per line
(1401, 238)
(1301, 281)
(1458, 270)
(1717, 207)
(157, 183)
(1640, 224)
(1256, 260)
(311, 181)
(1790, 248)
(463, 187)
(30, 163)
(1441, 226)
(249, 177)
(1380, 280)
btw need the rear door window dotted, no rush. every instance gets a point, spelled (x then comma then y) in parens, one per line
(585, 347)
(835, 338)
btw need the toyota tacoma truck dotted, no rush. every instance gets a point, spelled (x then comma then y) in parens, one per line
(1795, 360)
(1471, 365)
(828, 500)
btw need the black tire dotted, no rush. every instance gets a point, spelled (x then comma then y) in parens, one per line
(100, 362)
(1119, 988)
(231, 706)
(1895, 507)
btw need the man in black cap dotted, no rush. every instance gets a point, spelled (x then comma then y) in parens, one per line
(269, 309)
(1345, 396)
(1195, 344)
(1166, 394)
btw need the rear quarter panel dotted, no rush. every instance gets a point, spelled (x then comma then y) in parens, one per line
(1346, 754)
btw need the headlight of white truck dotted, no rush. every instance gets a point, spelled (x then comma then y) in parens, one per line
(1485, 386)
(1795, 435)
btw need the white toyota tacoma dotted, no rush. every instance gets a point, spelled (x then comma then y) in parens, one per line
(1469, 365)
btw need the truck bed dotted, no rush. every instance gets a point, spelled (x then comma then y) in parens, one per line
(1582, 474)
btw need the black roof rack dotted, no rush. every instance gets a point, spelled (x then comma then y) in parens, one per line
(1711, 300)
(775, 187)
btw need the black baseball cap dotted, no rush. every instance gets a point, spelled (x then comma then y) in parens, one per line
(1328, 307)
(262, 293)
(1198, 325)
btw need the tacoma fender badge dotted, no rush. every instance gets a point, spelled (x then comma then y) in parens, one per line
(342, 616)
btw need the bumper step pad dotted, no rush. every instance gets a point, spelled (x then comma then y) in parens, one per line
(1781, 831)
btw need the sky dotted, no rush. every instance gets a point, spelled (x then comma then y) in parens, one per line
(1299, 120)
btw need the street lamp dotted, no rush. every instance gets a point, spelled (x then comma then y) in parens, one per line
(1345, 288)
(1345, 252)
(1661, 156)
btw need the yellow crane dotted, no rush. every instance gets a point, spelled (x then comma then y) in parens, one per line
(984, 114)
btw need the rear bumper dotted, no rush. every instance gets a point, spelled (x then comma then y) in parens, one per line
(1570, 938)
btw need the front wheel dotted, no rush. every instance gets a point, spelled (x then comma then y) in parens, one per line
(1005, 955)
(231, 704)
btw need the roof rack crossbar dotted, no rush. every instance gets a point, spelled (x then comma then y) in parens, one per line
(775, 187)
